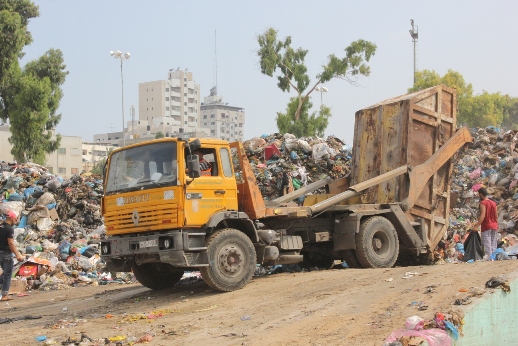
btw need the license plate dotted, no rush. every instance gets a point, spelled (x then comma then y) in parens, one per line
(148, 243)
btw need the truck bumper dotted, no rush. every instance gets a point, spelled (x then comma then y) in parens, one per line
(179, 248)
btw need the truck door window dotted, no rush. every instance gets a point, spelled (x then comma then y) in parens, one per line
(225, 162)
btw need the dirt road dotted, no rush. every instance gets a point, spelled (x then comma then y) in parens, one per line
(333, 307)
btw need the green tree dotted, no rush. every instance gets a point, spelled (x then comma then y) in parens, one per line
(29, 97)
(487, 109)
(159, 134)
(474, 110)
(511, 113)
(98, 168)
(278, 54)
(306, 125)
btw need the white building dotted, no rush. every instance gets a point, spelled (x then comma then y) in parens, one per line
(66, 161)
(93, 152)
(223, 120)
(173, 107)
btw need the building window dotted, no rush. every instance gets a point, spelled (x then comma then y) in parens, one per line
(74, 151)
(213, 123)
(205, 116)
(166, 90)
(185, 122)
(74, 170)
(166, 108)
(240, 125)
(204, 124)
(212, 132)
(62, 170)
(184, 113)
(62, 151)
(167, 98)
(84, 152)
(213, 115)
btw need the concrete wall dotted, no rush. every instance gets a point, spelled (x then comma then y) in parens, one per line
(5, 146)
(493, 320)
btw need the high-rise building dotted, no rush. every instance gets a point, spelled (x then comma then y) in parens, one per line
(223, 120)
(171, 105)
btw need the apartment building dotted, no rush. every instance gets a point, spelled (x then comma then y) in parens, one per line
(92, 153)
(224, 121)
(66, 161)
(171, 105)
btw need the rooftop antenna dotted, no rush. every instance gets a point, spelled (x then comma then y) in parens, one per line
(111, 127)
(132, 112)
(215, 82)
(414, 34)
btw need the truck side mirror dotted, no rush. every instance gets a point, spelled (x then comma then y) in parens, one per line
(194, 144)
(193, 166)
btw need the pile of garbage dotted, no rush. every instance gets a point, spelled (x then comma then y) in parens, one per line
(284, 163)
(491, 161)
(441, 330)
(59, 225)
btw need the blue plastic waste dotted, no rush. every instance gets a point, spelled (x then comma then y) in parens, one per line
(51, 206)
(452, 329)
(23, 221)
(40, 338)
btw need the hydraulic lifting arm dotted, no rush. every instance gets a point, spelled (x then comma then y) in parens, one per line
(418, 175)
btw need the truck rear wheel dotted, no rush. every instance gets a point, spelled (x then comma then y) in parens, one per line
(157, 276)
(377, 244)
(232, 260)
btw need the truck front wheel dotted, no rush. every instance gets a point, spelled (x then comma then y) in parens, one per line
(377, 244)
(157, 276)
(232, 260)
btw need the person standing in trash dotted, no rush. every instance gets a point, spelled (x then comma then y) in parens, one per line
(487, 220)
(7, 248)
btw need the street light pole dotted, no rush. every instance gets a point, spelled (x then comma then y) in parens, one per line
(321, 89)
(118, 55)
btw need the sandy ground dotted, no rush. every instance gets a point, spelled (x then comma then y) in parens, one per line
(333, 307)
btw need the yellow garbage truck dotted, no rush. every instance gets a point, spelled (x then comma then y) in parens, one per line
(162, 216)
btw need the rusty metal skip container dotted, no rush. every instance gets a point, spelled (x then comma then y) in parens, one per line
(407, 130)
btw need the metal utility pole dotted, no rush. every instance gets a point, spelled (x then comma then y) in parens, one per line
(414, 33)
(118, 55)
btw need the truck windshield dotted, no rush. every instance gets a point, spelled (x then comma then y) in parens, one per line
(143, 167)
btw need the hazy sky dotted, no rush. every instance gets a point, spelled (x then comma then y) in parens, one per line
(472, 37)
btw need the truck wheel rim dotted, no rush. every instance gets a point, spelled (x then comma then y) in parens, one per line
(380, 244)
(231, 260)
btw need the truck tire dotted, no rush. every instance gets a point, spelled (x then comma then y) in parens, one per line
(157, 276)
(232, 260)
(377, 244)
(351, 259)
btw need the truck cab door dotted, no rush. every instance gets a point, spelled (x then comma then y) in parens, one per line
(209, 194)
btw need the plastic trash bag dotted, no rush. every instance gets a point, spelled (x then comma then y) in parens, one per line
(414, 323)
(473, 247)
(475, 174)
(434, 337)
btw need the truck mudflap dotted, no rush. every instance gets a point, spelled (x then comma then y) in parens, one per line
(178, 248)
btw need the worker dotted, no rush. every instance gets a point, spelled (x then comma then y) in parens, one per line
(7, 248)
(488, 223)
(205, 166)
